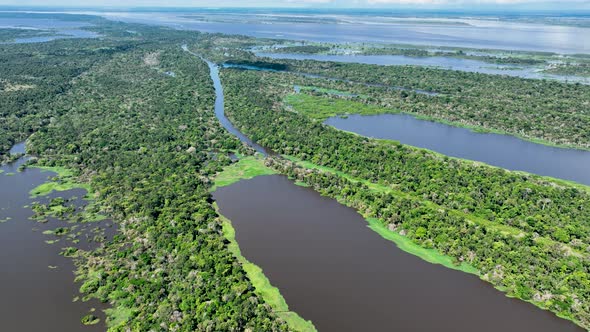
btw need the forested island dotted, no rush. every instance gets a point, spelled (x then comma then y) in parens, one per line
(131, 115)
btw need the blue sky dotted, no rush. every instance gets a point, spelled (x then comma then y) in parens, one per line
(426, 4)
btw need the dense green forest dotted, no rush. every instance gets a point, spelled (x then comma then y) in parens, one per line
(571, 68)
(149, 144)
(525, 234)
(33, 75)
(538, 110)
(132, 116)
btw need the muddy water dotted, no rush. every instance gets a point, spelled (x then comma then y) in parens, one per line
(36, 283)
(335, 271)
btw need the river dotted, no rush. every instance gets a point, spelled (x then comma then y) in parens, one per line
(36, 283)
(219, 104)
(504, 151)
(335, 271)
(499, 150)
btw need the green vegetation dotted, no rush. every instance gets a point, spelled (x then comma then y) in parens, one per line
(9, 35)
(525, 234)
(321, 108)
(33, 75)
(107, 118)
(429, 255)
(245, 168)
(542, 111)
(148, 145)
(90, 320)
(64, 181)
(490, 56)
(570, 69)
(302, 49)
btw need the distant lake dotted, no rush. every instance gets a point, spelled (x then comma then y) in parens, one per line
(36, 282)
(59, 29)
(467, 65)
(499, 150)
(462, 32)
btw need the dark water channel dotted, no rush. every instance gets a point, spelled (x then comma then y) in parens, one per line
(219, 105)
(499, 150)
(36, 283)
(332, 269)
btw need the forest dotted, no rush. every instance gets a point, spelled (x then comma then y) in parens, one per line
(543, 111)
(571, 68)
(9, 35)
(148, 144)
(131, 115)
(526, 235)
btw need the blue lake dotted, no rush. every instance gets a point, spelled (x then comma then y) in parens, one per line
(58, 29)
(499, 150)
(457, 32)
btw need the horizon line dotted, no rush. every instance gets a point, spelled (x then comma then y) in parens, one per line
(483, 8)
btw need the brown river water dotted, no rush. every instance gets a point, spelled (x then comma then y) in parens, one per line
(36, 283)
(335, 271)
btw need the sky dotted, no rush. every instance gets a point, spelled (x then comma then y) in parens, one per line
(420, 4)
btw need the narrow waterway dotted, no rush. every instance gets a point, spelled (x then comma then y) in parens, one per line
(219, 104)
(335, 271)
(498, 150)
(36, 283)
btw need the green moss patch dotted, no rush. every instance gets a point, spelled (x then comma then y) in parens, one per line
(245, 168)
(429, 255)
(90, 320)
(322, 108)
(65, 181)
